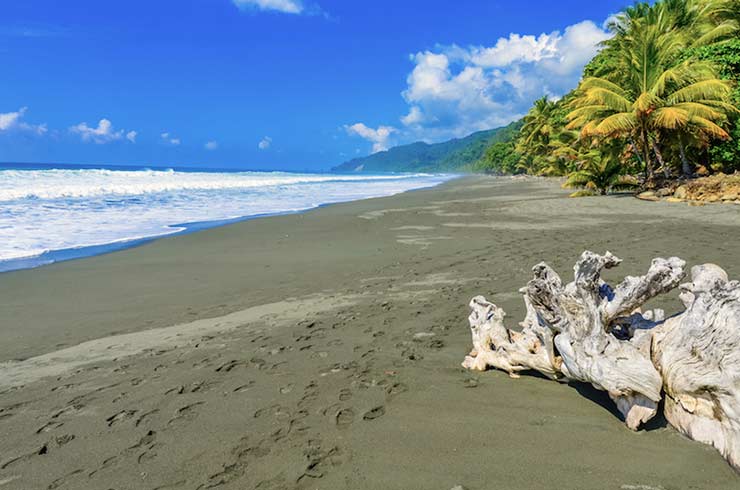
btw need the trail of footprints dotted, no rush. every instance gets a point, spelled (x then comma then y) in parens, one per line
(365, 383)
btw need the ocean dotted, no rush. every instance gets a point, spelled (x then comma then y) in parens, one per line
(50, 213)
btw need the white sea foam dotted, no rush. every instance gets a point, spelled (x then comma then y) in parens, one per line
(53, 184)
(51, 210)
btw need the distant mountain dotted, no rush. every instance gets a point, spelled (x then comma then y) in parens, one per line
(453, 155)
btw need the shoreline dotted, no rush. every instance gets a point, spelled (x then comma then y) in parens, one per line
(75, 253)
(323, 350)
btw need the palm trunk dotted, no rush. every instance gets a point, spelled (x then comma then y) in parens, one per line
(685, 166)
(646, 157)
(636, 150)
(661, 162)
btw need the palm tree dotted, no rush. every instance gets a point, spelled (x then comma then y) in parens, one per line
(702, 22)
(537, 123)
(654, 94)
(562, 154)
(599, 173)
(534, 136)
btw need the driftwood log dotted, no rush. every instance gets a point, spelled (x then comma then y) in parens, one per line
(591, 332)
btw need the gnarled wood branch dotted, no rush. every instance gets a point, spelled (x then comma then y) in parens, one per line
(588, 331)
(496, 346)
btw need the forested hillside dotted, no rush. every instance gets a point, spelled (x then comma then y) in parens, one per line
(454, 155)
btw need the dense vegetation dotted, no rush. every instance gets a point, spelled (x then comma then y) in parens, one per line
(450, 156)
(658, 102)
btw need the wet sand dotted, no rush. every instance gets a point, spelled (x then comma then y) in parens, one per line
(322, 351)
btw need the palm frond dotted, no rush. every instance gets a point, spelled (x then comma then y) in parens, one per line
(706, 89)
(708, 128)
(669, 118)
(594, 82)
(620, 123)
(609, 98)
(717, 33)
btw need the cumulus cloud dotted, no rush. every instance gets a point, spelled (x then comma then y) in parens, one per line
(169, 139)
(265, 143)
(211, 145)
(284, 6)
(103, 133)
(13, 120)
(453, 91)
(379, 137)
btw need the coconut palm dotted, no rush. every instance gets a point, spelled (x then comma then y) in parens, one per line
(534, 136)
(538, 122)
(654, 96)
(562, 154)
(700, 22)
(599, 173)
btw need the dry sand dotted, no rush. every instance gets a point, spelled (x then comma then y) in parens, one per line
(322, 351)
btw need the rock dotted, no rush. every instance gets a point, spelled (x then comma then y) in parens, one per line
(664, 192)
(681, 192)
(674, 199)
(648, 196)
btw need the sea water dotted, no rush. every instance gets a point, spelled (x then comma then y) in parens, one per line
(49, 214)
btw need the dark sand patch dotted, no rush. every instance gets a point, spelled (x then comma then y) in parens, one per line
(217, 380)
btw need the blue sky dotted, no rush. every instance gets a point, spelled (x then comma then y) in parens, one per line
(275, 84)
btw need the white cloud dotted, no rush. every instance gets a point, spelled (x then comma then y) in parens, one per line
(12, 120)
(131, 136)
(379, 137)
(170, 140)
(211, 145)
(284, 6)
(453, 91)
(265, 143)
(103, 133)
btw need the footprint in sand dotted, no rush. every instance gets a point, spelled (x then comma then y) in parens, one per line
(64, 439)
(120, 417)
(228, 366)
(49, 426)
(145, 416)
(345, 417)
(396, 389)
(68, 410)
(244, 387)
(374, 413)
(185, 413)
(62, 480)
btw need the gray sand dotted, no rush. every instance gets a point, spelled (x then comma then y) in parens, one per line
(323, 350)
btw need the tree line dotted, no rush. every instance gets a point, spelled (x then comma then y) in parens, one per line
(660, 101)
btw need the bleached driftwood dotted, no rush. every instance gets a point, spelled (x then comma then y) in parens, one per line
(591, 332)
(496, 346)
(698, 356)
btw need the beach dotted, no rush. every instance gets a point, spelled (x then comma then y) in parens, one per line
(323, 349)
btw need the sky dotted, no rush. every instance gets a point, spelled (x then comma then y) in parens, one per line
(297, 85)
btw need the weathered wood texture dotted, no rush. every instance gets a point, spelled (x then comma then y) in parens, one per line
(591, 332)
